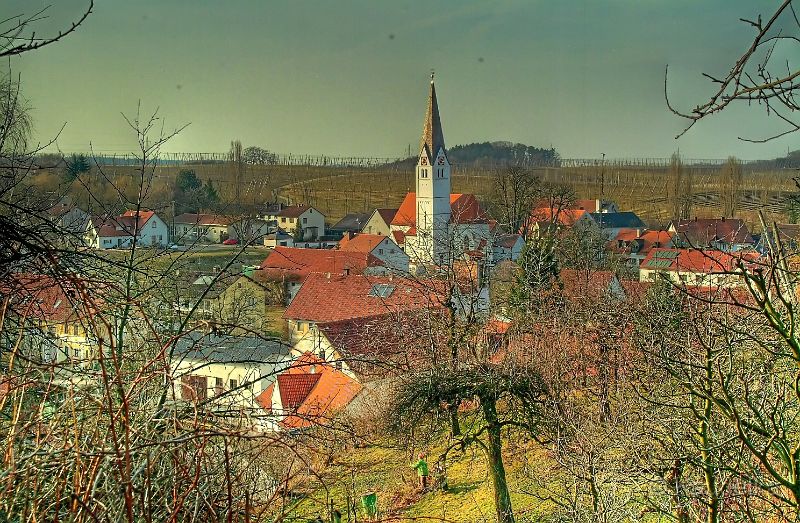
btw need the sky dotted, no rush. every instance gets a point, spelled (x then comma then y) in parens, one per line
(350, 78)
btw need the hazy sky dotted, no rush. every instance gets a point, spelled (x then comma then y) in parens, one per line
(350, 77)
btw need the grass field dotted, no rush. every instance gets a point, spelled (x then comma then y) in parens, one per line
(642, 191)
(387, 472)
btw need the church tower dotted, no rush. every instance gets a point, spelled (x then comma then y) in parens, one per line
(433, 188)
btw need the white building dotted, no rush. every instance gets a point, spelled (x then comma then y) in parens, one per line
(110, 232)
(190, 227)
(231, 370)
(382, 247)
(303, 217)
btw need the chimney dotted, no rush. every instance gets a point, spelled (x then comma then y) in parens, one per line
(346, 271)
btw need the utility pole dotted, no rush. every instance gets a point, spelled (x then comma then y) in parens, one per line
(603, 175)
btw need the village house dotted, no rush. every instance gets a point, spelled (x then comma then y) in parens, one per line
(190, 227)
(308, 393)
(336, 297)
(119, 232)
(380, 222)
(694, 267)
(289, 266)
(788, 238)
(68, 217)
(53, 319)
(231, 370)
(303, 218)
(279, 238)
(381, 247)
(507, 247)
(351, 223)
(728, 235)
(543, 220)
(244, 305)
(250, 230)
(634, 247)
(611, 224)
(432, 225)
(594, 205)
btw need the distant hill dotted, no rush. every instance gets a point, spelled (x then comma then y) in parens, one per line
(790, 161)
(492, 154)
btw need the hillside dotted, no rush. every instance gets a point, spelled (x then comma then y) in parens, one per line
(493, 154)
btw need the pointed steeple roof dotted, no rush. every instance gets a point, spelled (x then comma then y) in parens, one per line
(432, 136)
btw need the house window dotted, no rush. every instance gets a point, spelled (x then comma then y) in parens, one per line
(233, 384)
(305, 220)
(322, 354)
(219, 386)
(74, 330)
(283, 219)
(159, 237)
(76, 352)
(155, 225)
(380, 251)
(338, 365)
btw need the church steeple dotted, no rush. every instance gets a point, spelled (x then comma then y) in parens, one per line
(432, 136)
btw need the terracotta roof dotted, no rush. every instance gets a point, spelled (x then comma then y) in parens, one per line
(645, 241)
(701, 233)
(204, 219)
(364, 243)
(295, 388)
(293, 261)
(124, 224)
(464, 208)
(316, 392)
(325, 298)
(432, 135)
(45, 298)
(695, 260)
(399, 237)
(293, 211)
(565, 217)
(586, 205)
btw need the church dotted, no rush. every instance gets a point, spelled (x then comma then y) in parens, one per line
(433, 225)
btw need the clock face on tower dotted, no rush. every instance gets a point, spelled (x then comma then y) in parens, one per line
(440, 161)
(423, 161)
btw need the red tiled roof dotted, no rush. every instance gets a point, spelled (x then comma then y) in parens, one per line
(695, 260)
(338, 297)
(44, 297)
(586, 205)
(295, 388)
(364, 243)
(316, 392)
(701, 233)
(204, 219)
(124, 224)
(399, 237)
(646, 241)
(293, 212)
(297, 262)
(566, 217)
(464, 208)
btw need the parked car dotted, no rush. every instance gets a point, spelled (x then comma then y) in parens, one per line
(231, 241)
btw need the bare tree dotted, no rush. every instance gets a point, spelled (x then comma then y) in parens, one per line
(754, 78)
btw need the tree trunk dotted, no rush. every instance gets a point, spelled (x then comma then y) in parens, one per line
(502, 499)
